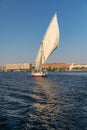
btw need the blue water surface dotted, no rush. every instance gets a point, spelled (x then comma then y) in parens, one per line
(55, 102)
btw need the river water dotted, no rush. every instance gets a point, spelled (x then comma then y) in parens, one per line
(55, 102)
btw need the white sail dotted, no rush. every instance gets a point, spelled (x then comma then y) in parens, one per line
(39, 59)
(49, 43)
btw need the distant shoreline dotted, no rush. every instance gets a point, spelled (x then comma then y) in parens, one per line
(49, 66)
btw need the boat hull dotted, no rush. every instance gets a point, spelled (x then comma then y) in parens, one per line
(39, 74)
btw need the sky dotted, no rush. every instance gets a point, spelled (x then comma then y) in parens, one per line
(23, 24)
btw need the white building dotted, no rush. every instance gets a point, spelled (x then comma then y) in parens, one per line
(19, 66)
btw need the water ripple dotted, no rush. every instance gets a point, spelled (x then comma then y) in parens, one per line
(57, 102)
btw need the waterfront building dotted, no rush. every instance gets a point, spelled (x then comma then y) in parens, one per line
(19, 66)
(2, 68)
(77, 67)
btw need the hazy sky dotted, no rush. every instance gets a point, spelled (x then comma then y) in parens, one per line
(24, 22)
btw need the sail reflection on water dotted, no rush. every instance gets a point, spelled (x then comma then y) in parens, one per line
(45, 109)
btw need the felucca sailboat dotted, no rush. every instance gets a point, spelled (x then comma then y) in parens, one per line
(48, 45)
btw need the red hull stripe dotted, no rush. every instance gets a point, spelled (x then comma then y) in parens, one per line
(38, 75)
